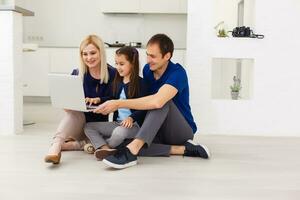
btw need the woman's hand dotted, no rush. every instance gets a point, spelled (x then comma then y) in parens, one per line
(91, 101)
(127, 123)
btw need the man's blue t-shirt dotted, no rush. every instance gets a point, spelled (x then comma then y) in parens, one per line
(176, 76)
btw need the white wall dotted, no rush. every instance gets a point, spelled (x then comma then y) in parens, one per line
(67, 22)
(274, 108)
(249, 14)
(222, 73)
(227, 11)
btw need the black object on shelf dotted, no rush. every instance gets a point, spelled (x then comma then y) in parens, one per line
(244, 31)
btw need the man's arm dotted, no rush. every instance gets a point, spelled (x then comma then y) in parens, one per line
(155, 101)
(158, 100)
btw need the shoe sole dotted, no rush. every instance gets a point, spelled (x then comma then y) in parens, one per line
(103, 153)
(203, 146)
(88, 148)
(116, 166)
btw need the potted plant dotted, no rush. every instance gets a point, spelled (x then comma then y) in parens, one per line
(220, 29)
(222, 33)
(235, 91)
(235, 88)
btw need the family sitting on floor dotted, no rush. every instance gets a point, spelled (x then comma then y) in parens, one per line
(151, 115)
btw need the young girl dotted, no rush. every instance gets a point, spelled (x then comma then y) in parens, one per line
(105, 136)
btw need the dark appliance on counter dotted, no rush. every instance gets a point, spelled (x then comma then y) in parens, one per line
(116, 44)
(135, 44)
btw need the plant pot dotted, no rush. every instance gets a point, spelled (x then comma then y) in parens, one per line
(235, 95)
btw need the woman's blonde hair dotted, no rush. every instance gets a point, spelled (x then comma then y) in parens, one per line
(98, 43)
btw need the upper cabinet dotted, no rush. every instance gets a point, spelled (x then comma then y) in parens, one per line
(120, 6)
(183, 4)
(163, 6)
(145, 6)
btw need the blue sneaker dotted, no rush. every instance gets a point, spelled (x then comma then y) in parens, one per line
(122, 159)
(196, 150)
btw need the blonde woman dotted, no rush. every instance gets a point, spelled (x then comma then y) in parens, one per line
(97, 76)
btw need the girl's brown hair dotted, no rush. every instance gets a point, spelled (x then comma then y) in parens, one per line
(132, 55)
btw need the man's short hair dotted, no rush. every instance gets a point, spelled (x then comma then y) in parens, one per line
(164, 42)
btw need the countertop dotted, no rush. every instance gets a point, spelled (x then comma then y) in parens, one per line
(71, 47)
(18, 9)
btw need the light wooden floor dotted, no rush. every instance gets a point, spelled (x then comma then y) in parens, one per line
(241, 168)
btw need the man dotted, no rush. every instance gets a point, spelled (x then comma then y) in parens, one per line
(169, 123)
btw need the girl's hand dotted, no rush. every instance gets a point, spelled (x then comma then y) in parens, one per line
(127, 123)
(91, 101)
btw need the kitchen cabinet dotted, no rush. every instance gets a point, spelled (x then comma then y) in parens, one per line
(179, 57)
(163, 6)
(35, 73)
(63, 60)
(37, 64)
(120, 6)
(183, 6)
(145, 6)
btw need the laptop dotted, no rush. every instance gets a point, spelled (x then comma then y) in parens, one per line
(66, 91)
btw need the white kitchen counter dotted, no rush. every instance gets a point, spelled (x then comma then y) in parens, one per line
(18, 9)
(11, 18)
(62, 60)
(75, 47)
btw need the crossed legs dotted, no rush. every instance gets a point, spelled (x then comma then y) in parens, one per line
(71, 126)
